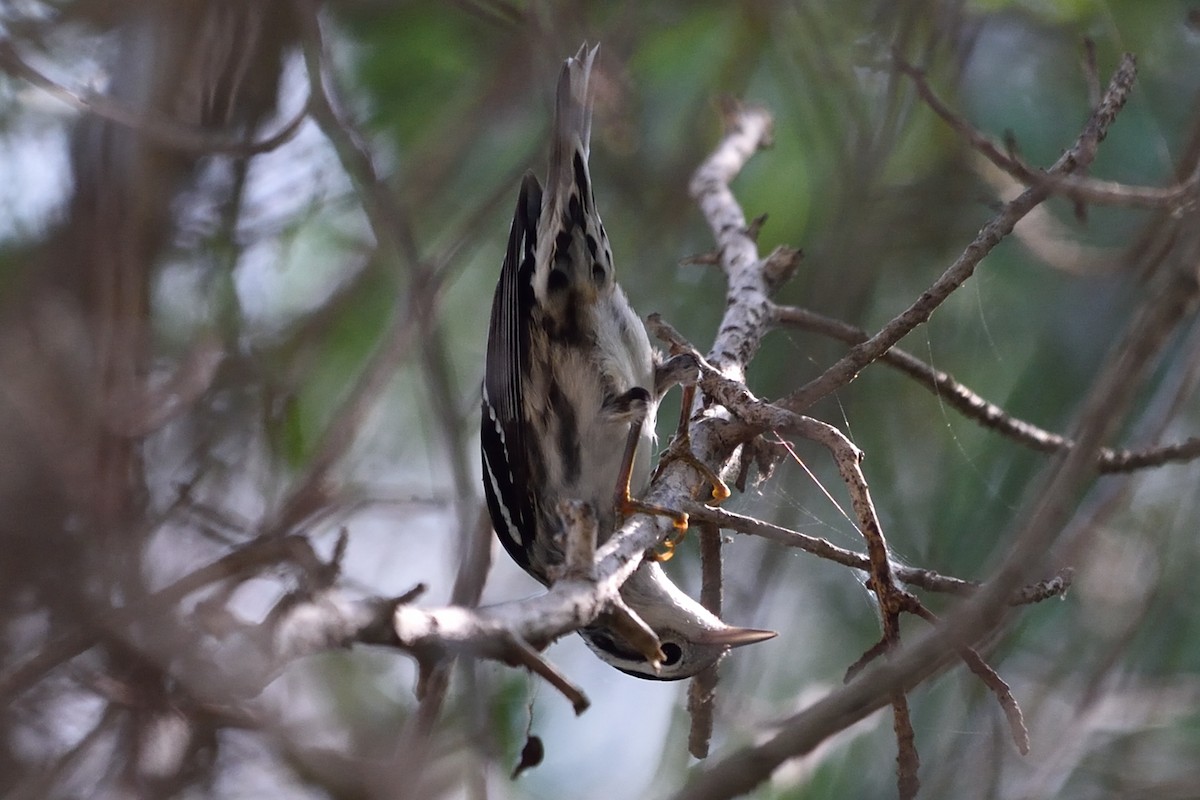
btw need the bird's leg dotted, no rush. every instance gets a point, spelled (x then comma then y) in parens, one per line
(680, 449)
(682, 369)
(626, 503)
(634, 404)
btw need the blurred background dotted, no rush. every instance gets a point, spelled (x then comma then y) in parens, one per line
(207, 342)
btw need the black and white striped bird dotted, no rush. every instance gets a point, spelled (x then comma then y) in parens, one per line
(570, 391)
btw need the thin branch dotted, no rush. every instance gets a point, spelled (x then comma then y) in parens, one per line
(955, 394)
(1146, 333)
(703, 688)
(907, 761)
(976, 408)
(509, 632)
(749, 278)
(490, 632)
(1078, 156)
(1080, 188)
(892, 599)
(746, 316)
(1044, 590)
(163, 131)
(309, 494)
(533, 661)
(1130, 460)
(734, 396)
(924, 578)
(991, 679)
(252, 557)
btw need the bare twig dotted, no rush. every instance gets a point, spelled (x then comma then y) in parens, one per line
(163, 131)
(1044, 590)
(533, 661)
(1130, 460)
(991, 679)
(1078, 187)
(940, 383)
(923, 578)
(907, 760)
(491, 632)
(742, 327)
(711, 589)
(309, 494)
(892, 599)
(987, 414)
(703, 688)
(250, 558)
(750, 280)
(1079, 155)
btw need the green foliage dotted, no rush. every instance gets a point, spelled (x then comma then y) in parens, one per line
(351, 336)
(410, 61)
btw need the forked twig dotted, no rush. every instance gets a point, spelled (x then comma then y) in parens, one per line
(1079, 156)
(1078, 187)
(989, 415)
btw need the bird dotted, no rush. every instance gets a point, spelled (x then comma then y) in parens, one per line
(570, 393)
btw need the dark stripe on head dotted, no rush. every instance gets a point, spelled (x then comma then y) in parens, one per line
(608, 644)
(605, 642)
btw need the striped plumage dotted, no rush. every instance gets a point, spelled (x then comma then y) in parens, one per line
(569, 373)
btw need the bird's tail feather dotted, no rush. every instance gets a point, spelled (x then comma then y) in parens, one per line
(572, 117)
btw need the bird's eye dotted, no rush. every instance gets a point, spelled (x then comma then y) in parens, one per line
(671, 654)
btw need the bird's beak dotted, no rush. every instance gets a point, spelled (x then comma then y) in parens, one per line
(734, 637)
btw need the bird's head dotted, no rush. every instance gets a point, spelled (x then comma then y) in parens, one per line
(690, 637)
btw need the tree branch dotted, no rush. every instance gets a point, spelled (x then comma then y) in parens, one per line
(1080, 188)
(197, 140)
(1080, 155)
(822, 548)
(987, 414)
(1173, 298)
(747, 129)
